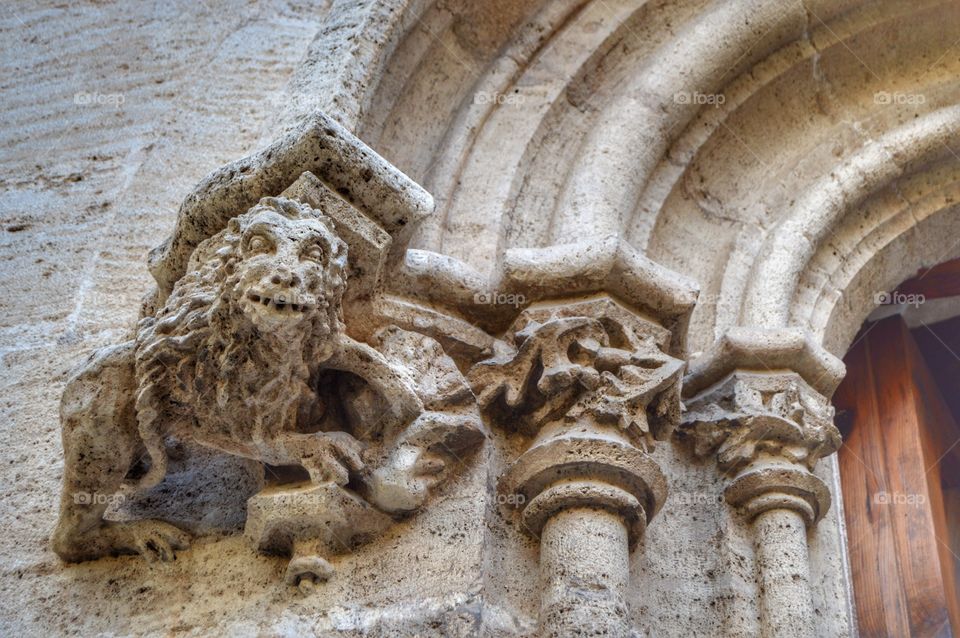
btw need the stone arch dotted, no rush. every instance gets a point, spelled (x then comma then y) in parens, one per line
(580, 132)
(822, 210)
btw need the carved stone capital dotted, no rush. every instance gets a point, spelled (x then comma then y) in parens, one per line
(593, 384)
(589, 361)
(757, 403)
(752, 414)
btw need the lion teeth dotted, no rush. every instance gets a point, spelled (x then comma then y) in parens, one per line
(279, 306)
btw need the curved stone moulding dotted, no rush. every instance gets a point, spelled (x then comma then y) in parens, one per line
(837, 324)
(818, 40)
(772, 29)
(612, 148)
(801, 33)
(790, 246)
(472, 125)
(555, 70)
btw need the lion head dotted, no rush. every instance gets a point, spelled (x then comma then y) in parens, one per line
(278, 268)
(285, 265)
(258, 307)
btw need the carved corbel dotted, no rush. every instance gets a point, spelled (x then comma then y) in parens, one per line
(757, 404)
(261, 341)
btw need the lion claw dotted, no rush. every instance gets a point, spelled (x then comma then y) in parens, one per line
(154, 540)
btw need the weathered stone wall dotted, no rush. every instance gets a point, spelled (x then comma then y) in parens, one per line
(111, 114)
(793, 158)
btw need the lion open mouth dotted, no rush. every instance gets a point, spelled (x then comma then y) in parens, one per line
(277, 304)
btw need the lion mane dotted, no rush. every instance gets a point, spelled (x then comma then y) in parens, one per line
(199, 351)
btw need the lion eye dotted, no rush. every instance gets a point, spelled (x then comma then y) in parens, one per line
(258, 244)
(314, 253)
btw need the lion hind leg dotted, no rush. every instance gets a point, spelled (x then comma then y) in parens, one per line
(99, 440)
(100, 443)
(152, 436)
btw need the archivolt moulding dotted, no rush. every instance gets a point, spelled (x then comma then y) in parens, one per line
(791, 245)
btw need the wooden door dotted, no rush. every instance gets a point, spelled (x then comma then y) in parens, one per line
(899, 467)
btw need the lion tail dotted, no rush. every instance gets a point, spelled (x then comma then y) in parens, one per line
(152, 435)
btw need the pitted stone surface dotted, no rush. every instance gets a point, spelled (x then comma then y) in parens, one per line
(791, 159)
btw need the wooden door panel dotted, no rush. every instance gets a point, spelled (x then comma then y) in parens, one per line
(881, 610)
(898, 429)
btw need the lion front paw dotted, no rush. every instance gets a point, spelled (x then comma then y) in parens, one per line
(331, 456)
(154, 540)
(403, 483)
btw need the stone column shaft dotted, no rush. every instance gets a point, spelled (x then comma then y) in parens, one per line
(585, 569)
(782, 500)
(783, 568)
(757, 404)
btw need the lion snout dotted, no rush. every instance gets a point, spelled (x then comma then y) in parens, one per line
(285, 277)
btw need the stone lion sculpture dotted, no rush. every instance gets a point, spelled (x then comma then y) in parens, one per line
(239, 358)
